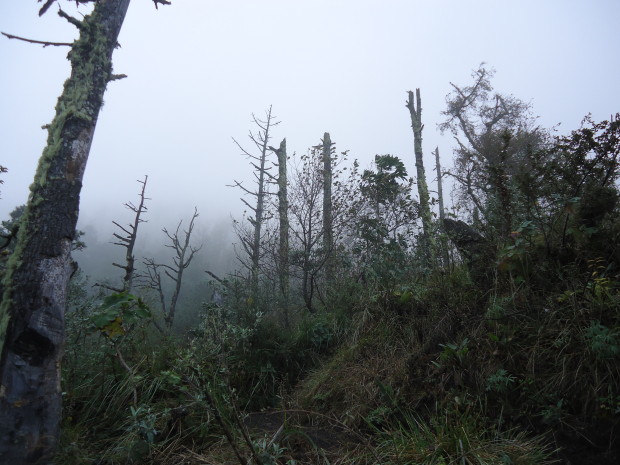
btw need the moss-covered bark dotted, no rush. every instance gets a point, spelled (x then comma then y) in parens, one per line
(415, 110)
(328, 236)
(34, 299)
(283, 255)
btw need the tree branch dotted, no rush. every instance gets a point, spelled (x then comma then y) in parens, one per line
(109, 288)
(46, 7)
(76, 22)
(162, 2)
(39, 42)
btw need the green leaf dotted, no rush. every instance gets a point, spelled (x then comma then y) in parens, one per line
(406, 297)
(102, 319)
(114, 329)
(118, 309)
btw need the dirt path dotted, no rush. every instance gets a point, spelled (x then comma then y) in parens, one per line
(304, 434)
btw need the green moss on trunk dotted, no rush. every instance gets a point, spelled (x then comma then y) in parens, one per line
(34, 286)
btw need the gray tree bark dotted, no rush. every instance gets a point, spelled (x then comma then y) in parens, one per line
(253, 245)
(328, 236)
(442, 213)
(32, 311)
(415, 110)
(445, 257)
(283, 252)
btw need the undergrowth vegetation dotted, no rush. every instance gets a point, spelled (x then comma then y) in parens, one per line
(499, 343)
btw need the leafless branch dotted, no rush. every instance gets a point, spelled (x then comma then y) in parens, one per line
(39, 42)
(161, 2)
(76, 22)
(109, 288)
(240, 186)
(184, 254)
(45, 7)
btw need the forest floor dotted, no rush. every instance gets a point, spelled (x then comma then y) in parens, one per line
(306, 436)
(284, 436)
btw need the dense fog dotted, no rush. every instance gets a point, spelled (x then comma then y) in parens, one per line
(197, 71)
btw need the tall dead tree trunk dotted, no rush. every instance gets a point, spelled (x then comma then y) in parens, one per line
(328, 236)
(32, 311)
(415, 110)
(283, 252)
(442, 213)
(253, 245)
(445, 257)
(129, 241)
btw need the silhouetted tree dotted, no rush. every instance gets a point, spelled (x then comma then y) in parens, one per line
(494, 133)
(251, 243)
(128, 241)
(328, 234)
(184, 253)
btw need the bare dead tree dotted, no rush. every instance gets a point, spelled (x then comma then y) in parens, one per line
(445, 257)
(129, 241)
(152, 279)
(184, 253)
(251, 243)
(415, 111)
(283, 243)
(442, 212)
(328, 234)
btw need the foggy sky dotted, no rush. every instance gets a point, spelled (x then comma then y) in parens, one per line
(198, 69)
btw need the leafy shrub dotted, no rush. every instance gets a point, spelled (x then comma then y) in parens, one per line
(500, 381)
(603, 341)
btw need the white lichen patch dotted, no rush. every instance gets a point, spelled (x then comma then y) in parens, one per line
(80, 148)
(55, 271)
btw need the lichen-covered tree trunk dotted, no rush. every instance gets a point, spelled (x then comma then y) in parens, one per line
(439, 184)
(33, 304)
(259, 212)
(415, 110)
(445, 257)
(328, 237)
(283, 256)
